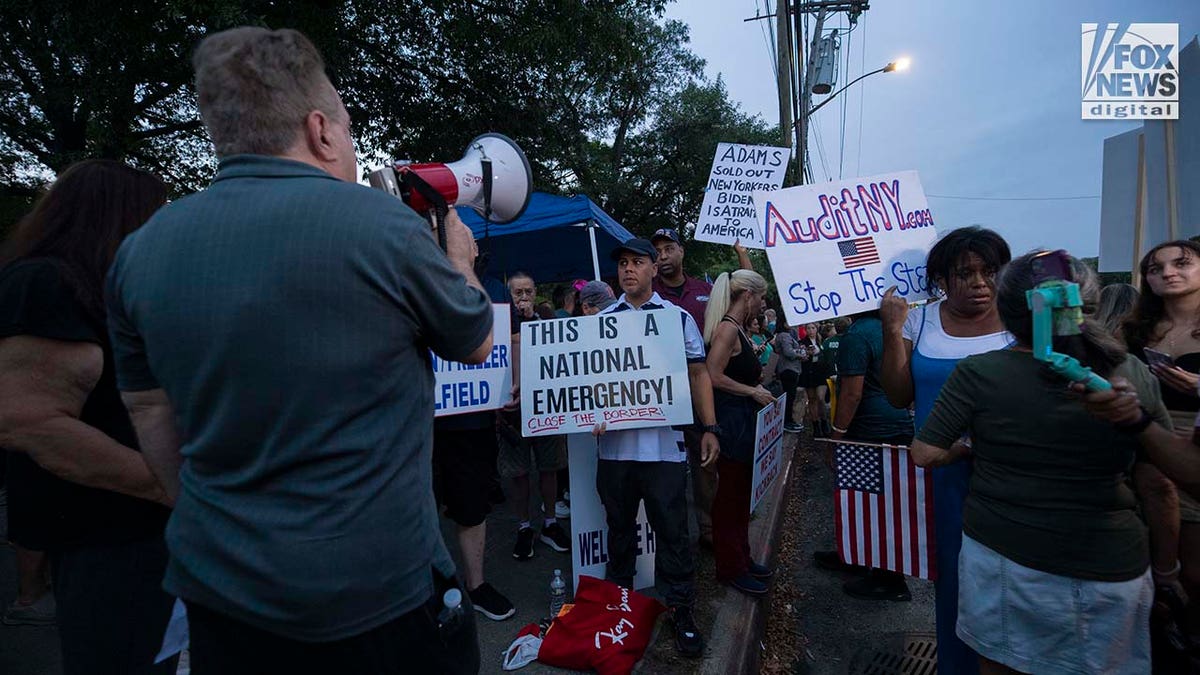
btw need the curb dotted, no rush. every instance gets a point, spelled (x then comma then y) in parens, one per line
(742, 619)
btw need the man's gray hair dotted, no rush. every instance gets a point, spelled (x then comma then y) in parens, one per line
(256, 86)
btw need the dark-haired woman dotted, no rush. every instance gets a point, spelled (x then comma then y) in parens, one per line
(1166, 319)
(920, 350)
(78, 487)
(1054, 567)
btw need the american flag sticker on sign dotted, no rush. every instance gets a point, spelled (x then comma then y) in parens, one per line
(858, 252)
(883, 506)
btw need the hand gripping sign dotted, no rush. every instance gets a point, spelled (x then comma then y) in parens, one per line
(836, 247)
(625, 369)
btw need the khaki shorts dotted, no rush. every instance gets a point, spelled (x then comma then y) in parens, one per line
(526, 455)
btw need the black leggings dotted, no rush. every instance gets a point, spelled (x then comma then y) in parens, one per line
(790, 380)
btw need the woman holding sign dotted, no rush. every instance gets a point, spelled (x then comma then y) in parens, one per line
(735, 372)
(920, 350)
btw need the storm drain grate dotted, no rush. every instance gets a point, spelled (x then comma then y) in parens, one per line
(898, 654)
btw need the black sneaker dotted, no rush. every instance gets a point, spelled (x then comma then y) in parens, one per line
(830, 560)
(688, 641)
(749, 585)
(879, 585)
(554, 537)
(524, 548)
(490, 603)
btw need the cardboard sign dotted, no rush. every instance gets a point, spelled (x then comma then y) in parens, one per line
(626, 369)
(589, 528)
(768, 449)
(464, 388)
(836, 247)
(738, 171)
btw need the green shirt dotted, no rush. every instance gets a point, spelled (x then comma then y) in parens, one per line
(1048, 488)
(861, 353)
(829, 349)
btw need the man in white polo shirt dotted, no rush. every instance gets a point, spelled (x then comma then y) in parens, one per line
(650, 465)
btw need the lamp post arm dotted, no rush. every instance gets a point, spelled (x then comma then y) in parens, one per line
(850, 84)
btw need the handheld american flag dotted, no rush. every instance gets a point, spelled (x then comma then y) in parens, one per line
(858, 252)
(883, 508)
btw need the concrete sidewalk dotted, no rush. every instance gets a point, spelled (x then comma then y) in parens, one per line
(730, 621)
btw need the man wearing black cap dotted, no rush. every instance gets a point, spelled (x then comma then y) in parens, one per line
(650, 465)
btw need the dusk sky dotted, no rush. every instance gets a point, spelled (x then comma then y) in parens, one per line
(989, 108)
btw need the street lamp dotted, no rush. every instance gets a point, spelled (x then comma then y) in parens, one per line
(898, 65)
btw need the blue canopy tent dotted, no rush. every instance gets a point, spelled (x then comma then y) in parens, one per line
(556, 239)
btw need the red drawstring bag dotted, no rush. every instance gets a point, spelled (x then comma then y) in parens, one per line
(607, 630)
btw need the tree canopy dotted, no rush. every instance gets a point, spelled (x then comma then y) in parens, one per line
(604, 95)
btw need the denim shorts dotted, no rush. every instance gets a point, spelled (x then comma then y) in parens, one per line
(1037, 622)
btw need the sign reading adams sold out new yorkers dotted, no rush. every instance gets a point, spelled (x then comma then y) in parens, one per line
(626, 369)
(727, 214)
(836, 247)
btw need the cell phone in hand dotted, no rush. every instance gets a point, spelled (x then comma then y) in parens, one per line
(1157, 358)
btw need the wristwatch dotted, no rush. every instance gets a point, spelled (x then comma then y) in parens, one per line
(714, 429)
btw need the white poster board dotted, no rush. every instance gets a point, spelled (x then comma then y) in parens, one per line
(768, 449)
(464, 388)
(626, 369)
(589, 528)
(738, 171)
(836, 247)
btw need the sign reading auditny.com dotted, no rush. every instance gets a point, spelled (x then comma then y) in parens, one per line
(1130, 71)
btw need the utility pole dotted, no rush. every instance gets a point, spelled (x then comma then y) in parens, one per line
(810, 72)
(783, 45)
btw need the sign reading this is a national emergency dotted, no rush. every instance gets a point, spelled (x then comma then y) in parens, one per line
(768, 449)
(463, 388)
(836, 247)
(727, 214)
(626, 369)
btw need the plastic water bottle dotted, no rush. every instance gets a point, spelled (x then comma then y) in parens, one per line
(558, 593)
(450, 617)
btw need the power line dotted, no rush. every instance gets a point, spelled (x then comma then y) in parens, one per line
(861, 92)
(842, 134)
(1013, 199)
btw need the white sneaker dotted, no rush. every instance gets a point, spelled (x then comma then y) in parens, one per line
(561, 510)
(41, 612)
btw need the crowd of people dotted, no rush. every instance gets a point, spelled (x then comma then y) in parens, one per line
(228, 400)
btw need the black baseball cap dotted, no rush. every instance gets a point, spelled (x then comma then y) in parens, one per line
(636, 245)
(667, 233)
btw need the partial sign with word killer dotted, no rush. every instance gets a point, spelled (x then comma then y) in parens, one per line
(464, 388)
(1131, 71)
(625, 369)
(768, 449)
(727, 214)
(836, 247)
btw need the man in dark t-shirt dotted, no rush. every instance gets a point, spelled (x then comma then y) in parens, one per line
(272, 336)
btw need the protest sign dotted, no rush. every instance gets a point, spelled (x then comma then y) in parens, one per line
(836, 247)
(626, 369)
(464, 388)
(738, 171)
(768, 449)
(589, 528)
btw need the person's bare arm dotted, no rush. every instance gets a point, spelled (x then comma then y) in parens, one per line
(719, 353)
(43, 386)
(743, 256)
(154, 421)
(702, 405)
(895, 371)
(926, 455)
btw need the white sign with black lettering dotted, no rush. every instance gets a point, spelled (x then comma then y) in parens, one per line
(589, 527)
(768, 449)
(738, 171)
(464, 388)
(625, 369)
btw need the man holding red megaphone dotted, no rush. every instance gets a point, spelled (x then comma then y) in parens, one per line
(271, 337)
